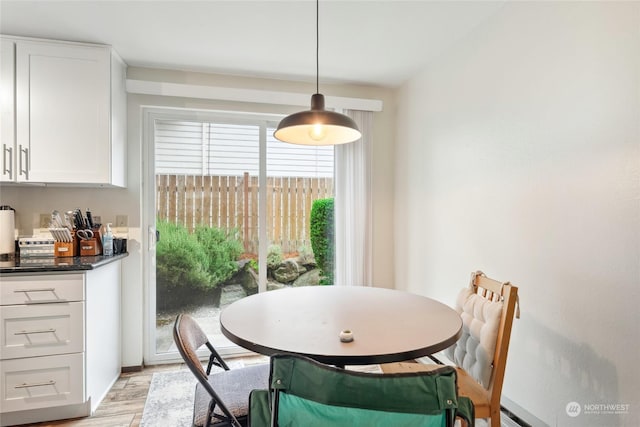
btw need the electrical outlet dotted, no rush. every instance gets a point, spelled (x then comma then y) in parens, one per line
(45, 220)
(122, 221)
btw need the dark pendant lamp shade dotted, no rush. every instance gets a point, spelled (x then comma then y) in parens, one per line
(317, 126)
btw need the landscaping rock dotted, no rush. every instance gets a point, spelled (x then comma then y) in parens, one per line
(230, 294)
(287, 271)
(310, 278)
(309, 263)
(246, 277)
(249, 281)
(272, 286)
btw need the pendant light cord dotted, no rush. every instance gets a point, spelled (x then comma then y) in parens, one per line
(317, 46)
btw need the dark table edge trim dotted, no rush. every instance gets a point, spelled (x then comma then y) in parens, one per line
(348, 360)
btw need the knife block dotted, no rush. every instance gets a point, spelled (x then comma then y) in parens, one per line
(91, 247)
(65, 249)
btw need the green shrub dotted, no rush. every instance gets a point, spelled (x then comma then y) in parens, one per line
(274, 256)
(222, 251)
(180, 260)
(323, 238)
(189, 265)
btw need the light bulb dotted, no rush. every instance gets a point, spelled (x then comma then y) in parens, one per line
(317, 132)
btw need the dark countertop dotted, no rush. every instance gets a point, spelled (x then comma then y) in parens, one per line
(51, 264)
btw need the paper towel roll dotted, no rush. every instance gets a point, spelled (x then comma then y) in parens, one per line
(7, 231)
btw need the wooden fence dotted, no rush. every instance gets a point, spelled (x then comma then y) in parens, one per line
(231, 202)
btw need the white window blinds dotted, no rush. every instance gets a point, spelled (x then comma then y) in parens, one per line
(212, 148)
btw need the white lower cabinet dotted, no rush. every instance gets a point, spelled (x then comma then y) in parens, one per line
(59, 343)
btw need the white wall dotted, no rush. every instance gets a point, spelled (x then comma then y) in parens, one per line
(518, 153)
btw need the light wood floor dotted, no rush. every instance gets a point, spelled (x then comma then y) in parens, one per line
(123, 405)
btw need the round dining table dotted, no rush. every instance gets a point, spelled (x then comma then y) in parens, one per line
(342, 325)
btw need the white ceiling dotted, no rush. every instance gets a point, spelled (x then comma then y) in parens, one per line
(361, 42)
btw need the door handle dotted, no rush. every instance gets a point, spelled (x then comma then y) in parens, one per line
(154, 236)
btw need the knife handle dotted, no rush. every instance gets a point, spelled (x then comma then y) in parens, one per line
(89, 219)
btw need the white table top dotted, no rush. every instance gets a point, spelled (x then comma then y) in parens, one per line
(387, 325)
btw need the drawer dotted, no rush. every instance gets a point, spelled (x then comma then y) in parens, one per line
(41, 329)
(41, 289)
(42, 382)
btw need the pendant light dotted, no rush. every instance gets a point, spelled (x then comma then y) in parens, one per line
(317, 126)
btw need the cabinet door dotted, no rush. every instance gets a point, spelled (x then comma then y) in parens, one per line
(7, 110)
(63, 111)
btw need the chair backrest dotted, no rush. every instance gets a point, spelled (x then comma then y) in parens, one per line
(307, 393)
(189, 337)
(487, 308)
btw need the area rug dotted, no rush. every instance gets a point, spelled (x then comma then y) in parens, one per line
(170, 398)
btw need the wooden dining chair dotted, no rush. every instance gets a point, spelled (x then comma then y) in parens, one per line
(487, 308)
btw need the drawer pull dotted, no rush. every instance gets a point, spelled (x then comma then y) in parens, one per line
(26, 291)
(25, 385)
(41, 331)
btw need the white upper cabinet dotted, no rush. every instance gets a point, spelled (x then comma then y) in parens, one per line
(70, 113)
(8, 110)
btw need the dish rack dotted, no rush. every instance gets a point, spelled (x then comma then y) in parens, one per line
(36, 247)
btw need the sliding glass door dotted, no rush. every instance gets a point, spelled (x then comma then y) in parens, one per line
(228, 211)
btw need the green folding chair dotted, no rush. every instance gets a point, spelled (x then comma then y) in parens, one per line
(306, 393)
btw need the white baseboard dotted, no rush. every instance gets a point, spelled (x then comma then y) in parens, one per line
(517, 410)
(505, 421)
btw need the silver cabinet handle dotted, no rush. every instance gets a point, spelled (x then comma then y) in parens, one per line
(5, 169)
(26, 291)
(39, 331)
(24, 169)
(25, 385)
(40, 301)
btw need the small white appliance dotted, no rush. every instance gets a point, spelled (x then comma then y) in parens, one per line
(7, 232)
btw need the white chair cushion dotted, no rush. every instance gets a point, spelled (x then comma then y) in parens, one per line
(474, 351)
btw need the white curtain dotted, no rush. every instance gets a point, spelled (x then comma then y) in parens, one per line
(353, 205)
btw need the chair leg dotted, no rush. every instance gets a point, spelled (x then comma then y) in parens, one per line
(495, 419)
